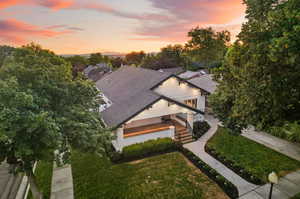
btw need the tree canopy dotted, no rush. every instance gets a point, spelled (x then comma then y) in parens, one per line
(207, 46)
(43, 109)
(170, 56)
(78, 64)
(96, 58)
(259, 80)
(135, 58)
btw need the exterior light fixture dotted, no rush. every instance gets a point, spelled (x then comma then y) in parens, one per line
(273, 178)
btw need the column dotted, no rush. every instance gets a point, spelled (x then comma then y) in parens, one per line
(201, 102)
(120, 137)
(172, 132)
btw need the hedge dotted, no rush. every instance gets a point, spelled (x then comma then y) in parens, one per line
(200, 128)
(145, 149)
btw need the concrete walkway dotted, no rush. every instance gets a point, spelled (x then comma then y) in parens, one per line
(197, 148)
(62, 183)
(289, 149)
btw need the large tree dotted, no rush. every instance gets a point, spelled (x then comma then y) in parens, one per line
(134, 58)
(43, 109)
(5, 51)
(207, 46)
(96, 58)
(78, 63)
(259, 81)
(170, 56)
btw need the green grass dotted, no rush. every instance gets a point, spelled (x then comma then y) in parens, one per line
(167, 176)
(296, 196)
(43, 173)
(255, 158)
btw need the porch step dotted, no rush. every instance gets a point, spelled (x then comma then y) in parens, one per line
(186, 140)
(184, 136)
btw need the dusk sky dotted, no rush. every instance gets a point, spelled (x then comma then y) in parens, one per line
(85, 26)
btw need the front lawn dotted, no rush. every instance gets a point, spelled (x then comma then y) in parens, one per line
(253, 157)
(167, 176)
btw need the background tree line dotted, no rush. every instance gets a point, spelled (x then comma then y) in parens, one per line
(205, 48)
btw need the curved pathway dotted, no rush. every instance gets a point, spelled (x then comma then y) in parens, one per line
(197, 148)
(288, 186)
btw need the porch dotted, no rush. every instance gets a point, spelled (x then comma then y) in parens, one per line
(179, 126)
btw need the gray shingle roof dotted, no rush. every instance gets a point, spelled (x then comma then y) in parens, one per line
(129, 89)
(97, 72)
(205, 82)
(174, 71)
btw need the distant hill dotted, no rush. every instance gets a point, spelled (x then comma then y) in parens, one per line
(110, 54)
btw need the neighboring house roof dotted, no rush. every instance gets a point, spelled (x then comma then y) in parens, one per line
(97, 72)
(205, 82)
(189, 74)
(129, 89)
(174, 71)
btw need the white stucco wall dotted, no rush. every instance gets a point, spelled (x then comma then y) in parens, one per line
(143, 122)
(171, 88)
(180, 92)
(159, 109)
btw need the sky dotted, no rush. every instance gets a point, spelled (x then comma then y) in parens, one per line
(86, 26)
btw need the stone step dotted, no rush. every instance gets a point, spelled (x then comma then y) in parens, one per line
(183, 135)
(185, 141)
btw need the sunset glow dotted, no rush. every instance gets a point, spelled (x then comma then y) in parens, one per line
(85, 26)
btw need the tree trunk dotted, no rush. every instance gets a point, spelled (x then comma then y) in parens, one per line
(33, 186)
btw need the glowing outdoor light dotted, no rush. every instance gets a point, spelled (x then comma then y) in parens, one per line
(273, 178)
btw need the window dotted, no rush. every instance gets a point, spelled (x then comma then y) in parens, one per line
(191, 103)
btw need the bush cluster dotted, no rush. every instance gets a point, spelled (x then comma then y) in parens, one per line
(289, 131)
(200, 128)
(145, 149)
(229, 188)
(235, 167)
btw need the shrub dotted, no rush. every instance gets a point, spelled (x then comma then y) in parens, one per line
(292, 130)
(199, 128)
(289, 131)
(145, 149)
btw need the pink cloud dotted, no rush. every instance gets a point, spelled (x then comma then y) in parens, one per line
(9, 3)
(176, 18)
(52, 4)
(188, 14)
(55, 4)
(19, 32)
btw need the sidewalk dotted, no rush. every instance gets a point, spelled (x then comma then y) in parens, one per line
(287, 148)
